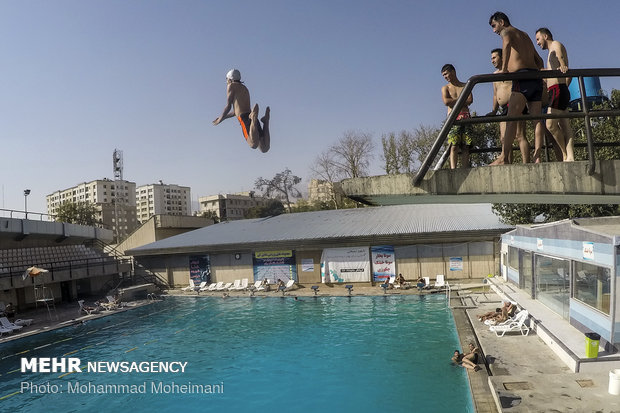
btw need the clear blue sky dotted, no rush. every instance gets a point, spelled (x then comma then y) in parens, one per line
(80, 78)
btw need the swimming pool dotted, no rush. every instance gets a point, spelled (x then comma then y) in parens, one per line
(328, 354)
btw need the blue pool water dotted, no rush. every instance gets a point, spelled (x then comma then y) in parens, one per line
(328, 354)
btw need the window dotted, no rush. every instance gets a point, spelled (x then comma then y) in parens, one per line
(592, 285)
(513, 258)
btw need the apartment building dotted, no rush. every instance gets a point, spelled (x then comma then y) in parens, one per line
(231, 207)
(103, 193)
(324, 191)
(162, 199)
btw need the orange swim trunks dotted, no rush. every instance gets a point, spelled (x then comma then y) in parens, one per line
(244, 121)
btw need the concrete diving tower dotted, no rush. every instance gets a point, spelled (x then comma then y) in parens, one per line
(549, 183)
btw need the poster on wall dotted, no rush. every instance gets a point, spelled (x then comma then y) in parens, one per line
(456, 263)
(275, 265)
(383, 263)
(200, 268)
(307, 265)
(588, 250)
(340, 265)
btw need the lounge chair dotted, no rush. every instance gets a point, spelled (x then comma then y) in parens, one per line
(5, 331)
(111, 304)
(224, 287)
(427, 282)
(210, 287)
(289, 285)
(256, 286)
(215, 286)
(244, 285)
(85, 309)
(190, 287)
(517, 323)
(263, 287)
(201, 286)
(8, 325)
(23, 322)
(236, 285)
(440, 281)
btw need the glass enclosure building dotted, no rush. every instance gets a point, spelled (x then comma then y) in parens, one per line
(572, 267)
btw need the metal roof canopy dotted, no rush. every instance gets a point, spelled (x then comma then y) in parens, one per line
(378, 225)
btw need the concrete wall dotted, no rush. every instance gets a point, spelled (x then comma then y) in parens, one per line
(25, 233)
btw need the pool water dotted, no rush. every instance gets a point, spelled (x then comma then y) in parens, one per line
(328, 354)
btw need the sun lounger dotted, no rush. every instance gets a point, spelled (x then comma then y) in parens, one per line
(236, 285)
(25, 322)
(190, 287)
(210, 287)
(5, 331)
(7, 324)
(515, 324)
(214, 287)
(440, 282)
(427, 282)
(263, 287)
(85, 309)
(289, 285)
(224, 287)
(244, 285)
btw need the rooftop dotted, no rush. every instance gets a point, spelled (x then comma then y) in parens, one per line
(367, 224)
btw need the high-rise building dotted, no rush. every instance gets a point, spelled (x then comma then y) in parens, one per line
(231, 207)
(162, 199)
(102, 193)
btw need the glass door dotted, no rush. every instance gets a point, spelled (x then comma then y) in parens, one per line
(552, 283)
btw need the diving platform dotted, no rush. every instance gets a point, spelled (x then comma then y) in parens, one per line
(549, 183)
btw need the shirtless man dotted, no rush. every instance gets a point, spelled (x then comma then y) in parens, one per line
(519, 55)
(459, 136)
(238, 97)
(501, 95)
(559, 95)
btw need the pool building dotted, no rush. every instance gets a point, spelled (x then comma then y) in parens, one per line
(361, 245)
(572, 267)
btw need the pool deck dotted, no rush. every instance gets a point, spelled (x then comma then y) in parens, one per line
(521, 374)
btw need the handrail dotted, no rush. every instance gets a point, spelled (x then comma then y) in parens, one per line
(499, 77)
(19, 212)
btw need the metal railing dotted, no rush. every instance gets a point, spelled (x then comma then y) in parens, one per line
(586, 113)
(138, 271)
(19, 214)
(55, 266)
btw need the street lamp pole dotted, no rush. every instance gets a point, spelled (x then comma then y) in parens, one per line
(26, 193)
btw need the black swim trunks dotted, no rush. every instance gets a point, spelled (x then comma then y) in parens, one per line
(559, 96)
(530, 88)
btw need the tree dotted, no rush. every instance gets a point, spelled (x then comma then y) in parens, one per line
(211, 215)
(603, 130)
(271, 209)
(81, 213)
(352, 154)
(404, 153)
(281, 186)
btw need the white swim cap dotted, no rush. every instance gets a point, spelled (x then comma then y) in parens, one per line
(234, 74)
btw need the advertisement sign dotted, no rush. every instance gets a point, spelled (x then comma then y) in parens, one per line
(200, 269)
(456, 263)
(588, 250)
(275, 265)
(383, 263)
(339, 265)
